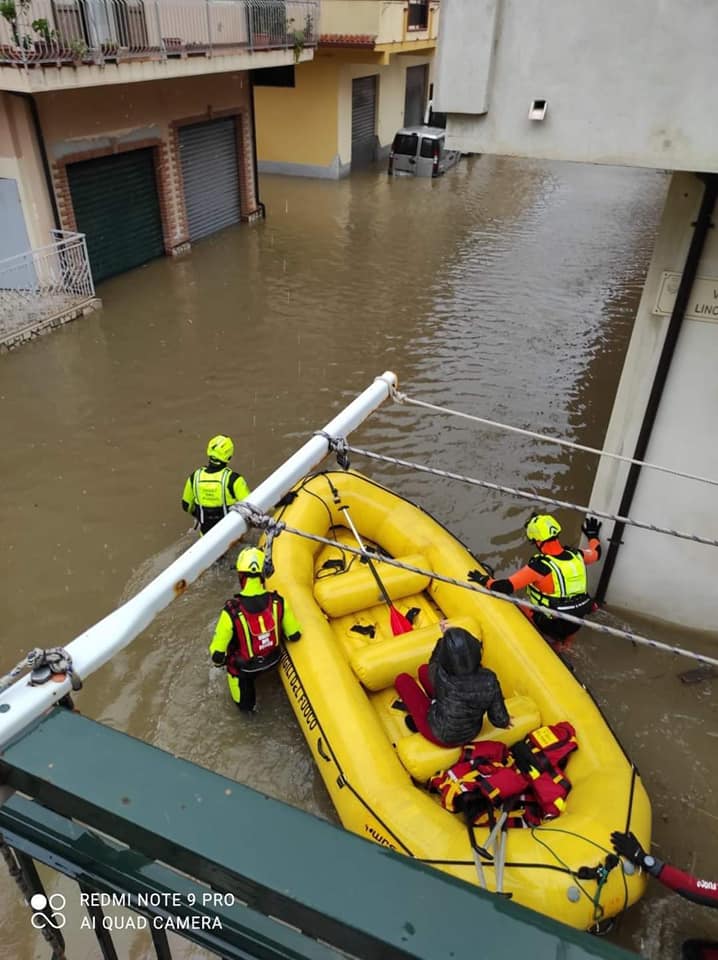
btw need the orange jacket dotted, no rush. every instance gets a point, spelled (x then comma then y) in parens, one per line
(532, 573)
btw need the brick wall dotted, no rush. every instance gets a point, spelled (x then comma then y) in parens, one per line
(83, 119)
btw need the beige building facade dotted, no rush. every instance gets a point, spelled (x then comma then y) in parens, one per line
(371, 74)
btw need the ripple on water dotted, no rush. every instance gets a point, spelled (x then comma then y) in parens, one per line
(505, 289)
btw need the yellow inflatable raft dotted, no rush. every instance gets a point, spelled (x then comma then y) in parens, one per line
(340, 684)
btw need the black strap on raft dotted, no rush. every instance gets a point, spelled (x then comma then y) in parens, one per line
(365, 631)
(337, 445)
(412, 614)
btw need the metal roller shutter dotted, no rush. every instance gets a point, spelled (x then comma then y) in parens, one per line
(208, 152)
(363, 120)
(115, 203)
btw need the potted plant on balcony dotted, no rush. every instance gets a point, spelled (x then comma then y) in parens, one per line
(297, 44)
(45, 48)
(9, 10)
(78, 51)
(308, 28)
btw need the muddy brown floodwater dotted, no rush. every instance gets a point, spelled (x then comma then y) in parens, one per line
(507, 289)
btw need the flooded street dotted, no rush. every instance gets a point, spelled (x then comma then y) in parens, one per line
(506, 289)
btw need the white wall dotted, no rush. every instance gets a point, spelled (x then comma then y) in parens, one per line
(671, 579)
(626, 82)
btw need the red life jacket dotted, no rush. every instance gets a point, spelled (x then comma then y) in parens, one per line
(542, 756)
(530, 776)
(255, 644)
(484, 768)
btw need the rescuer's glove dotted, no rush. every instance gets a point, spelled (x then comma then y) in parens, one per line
(591, 527)
(628, 846)
(476, 576)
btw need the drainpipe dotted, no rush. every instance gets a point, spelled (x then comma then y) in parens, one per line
(701, 227)
(28, 97)
(254, 150)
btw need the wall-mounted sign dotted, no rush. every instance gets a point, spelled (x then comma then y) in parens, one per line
(703, 301)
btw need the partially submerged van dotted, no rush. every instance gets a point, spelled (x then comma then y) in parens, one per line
(420, 151)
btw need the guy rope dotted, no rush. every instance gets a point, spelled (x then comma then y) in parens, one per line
(254, 517)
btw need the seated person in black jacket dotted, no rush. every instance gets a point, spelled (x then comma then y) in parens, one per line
(454, 691)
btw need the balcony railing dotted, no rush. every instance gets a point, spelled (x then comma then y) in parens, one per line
(76, 32)
(41, 284)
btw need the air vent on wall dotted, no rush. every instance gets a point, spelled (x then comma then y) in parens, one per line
(538, 109)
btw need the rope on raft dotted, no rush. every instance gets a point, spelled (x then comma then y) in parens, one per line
(256, 518)
(411, 401)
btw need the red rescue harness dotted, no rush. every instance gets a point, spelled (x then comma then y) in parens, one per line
(255, 644)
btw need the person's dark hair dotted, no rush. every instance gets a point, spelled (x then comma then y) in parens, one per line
(460, 652)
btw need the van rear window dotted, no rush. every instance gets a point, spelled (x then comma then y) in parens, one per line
(405, 144)
(428, 147)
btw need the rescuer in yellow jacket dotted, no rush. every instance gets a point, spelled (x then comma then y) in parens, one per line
(554, 578)
(250, 628)
(210, 490)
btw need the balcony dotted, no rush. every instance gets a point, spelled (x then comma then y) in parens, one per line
(384, 25)
(82, 35)
(44, 287)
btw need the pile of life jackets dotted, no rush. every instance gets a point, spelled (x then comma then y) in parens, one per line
(528, 780)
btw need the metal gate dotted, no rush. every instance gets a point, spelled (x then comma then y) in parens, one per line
(364, 140)
(415, 96)
(116, 206)
(210, 173)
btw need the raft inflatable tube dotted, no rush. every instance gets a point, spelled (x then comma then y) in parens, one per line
(340, 684)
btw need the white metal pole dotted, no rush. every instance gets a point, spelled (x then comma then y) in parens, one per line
(20, 704)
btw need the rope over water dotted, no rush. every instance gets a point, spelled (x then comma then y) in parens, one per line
(527, 495)
(399, 397)
(265, 522)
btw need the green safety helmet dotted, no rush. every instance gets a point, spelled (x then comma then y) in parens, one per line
(541, 527)
(220, 448)
(251, 561)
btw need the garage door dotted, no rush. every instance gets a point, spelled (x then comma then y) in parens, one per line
(415, 97)
(115, 203)
(210, 173)
(363, 121)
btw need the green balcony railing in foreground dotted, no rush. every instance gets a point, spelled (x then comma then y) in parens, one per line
(294, 885)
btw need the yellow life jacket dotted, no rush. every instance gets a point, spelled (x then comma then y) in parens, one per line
(568, 581)
(211, 493)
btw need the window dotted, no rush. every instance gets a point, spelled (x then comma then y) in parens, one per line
(430, 147)
(405, 144)
(274, 76)
(418, 15)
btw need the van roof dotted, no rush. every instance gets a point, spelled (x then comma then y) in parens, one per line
(433, 132)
